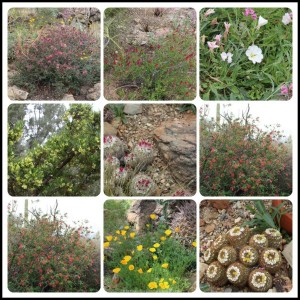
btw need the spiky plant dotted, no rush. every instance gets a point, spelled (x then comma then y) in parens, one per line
(260, 280)
(216, 274)
(271, 260)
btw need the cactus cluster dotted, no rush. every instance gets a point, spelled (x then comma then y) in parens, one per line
(122, 168)
(244, 259)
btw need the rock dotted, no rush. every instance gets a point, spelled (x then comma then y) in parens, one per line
(228, 290)
(210, 228)
(84, 90)
(68, 97)
(220, 204)
(203, 268)
(282, 284)
(133, 109)
(14, 93)
(202, 222)
(94, 93)
(287, 253)
(209, 214)
(176, 142)
(109, 129)
(237, 220)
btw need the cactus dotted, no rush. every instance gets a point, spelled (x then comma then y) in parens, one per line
(144, 154)
(142, 185)
(270, 259)
(237, 274)
(216, 274)
(210, 255)
(111, 162)
(227, 256)
(120, 175)
(113, 146)
(220, 242)
(259, 241)
(274, 238)
(238, 236)
(248, 256)
(260, 280)
(184, 223)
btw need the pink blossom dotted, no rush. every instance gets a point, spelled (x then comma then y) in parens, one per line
(218, 38)
(249, 11)
(227, 26)
(209, 12)
(284, 90)
(212, 46)
(254, 16)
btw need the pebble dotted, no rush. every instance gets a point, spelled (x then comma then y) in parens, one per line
(203, 268)
(237, 220)
(210, 228)
(228, 290)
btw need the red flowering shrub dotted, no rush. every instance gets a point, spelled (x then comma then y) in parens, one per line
(238, 159)
(62, 56)
(47, 255)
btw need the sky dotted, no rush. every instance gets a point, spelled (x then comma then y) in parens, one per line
(78, 209)
(269, 113)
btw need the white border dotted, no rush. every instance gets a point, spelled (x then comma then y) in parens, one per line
(293, 106)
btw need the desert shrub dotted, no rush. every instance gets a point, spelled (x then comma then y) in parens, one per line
(61, 56)
(45, 254)
(238, 158)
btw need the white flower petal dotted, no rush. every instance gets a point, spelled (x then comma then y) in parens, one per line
(261, 21)
(224, 56)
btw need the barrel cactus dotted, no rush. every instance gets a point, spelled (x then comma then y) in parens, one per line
(111, 162)
(260, 280)
(259, 241)
(216, 274)
(220, 242)
(227, 255)
(274, 238)
(210, 255)
(237, 274)
(144, 154)
(120, 175)
(238, 236)
(113, 146)
(271, 260)
(142, 185)
(248, 256)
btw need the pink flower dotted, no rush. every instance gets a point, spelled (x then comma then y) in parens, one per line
(249, 11)
(212, 46)
(254, 16)
(209, 12)
(139, 62)
(284, 90)
(218, 38)
(227, 26)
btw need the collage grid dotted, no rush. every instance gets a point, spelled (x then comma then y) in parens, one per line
(100, 104)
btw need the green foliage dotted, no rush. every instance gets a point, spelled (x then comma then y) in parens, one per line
(161, 259)
(118, 111)
(45, 254)
(238, 158)
(66, 164)
(241, 79)
(264, 218)
(187, 107)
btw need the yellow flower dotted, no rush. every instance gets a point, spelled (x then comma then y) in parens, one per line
(139, 247)
(131, 267)
(173, 281)
(132, 252)
(124, 262)
(149, 270)
(127, 258)
(123, 232)
(156, 245)
(126, 227)
(109, 238)
(140, 270)
(165, 265)
(152, 285)
(118, 232)
(153, 216)
(152, 249)
(163, 238)
(177, 229)
(148, 225)
(161, 280)
(116, 270)
(164, 285)
(154, 257)
(106, 245)
(115, 238)
(132, 234)
(168, 232)
(194, 244)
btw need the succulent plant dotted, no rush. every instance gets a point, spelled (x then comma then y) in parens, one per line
(120, 175)
(111, 162)
(142, 185)
(184, 223)
(259, 241)
(274, 238)
(216, 274)
(227, 255)
(144, 154)
(113, 146)
(270, 259)
(220, 242)
(130, 160)
(238, 236)
(237, 274)
(108, 115)
(248, 256)
(260, 280)
(210, 255)
(181, 193)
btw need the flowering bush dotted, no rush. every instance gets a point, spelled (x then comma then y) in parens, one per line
(240, 159)
(47, 255)
(61, 56)
(259, 44)
(149, 261)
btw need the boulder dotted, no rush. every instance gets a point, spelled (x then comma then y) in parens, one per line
(176, 142)
(15, 93)
(133, 109)
(109, 129)
(94, 93)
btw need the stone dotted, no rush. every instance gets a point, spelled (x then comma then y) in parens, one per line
(228, 290)
(15, 93)
(69, 97)
(133, 109)
(210, 228)
(209, 214)
(237, 220)
(203, 269)
(176, 142)
(94, 93)
(109, 129)
(220, 204)
(202, 222)
(287, 253)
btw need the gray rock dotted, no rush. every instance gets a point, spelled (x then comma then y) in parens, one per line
(203, 268)
(176, 142)
(68, 97)
(109, 129)
(133, 109)
(15, 93)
